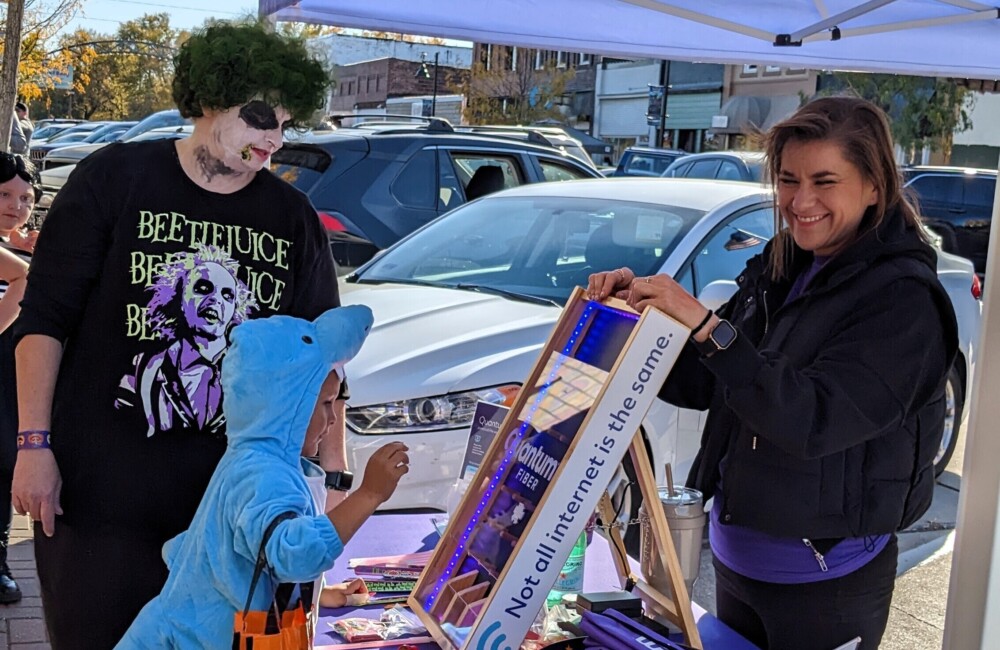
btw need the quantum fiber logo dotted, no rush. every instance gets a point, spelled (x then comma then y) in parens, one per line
(484, 639)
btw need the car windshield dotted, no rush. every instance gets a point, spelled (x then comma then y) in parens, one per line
(155, 121)
(538, 247)
(48, 131)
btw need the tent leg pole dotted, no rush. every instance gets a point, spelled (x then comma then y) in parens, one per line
(975, 575)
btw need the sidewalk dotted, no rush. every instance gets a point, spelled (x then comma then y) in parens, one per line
(21, 624)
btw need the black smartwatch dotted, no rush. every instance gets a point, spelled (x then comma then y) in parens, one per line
(720, 338)
(341, 481)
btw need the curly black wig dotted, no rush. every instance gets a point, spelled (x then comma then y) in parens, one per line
(228, 64)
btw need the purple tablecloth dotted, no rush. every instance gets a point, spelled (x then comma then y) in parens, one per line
(411, 533)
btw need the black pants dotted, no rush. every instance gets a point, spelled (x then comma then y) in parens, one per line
(813, 616)
(94, 583)
(8, 435)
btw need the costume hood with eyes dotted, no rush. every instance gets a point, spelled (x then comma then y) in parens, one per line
(272, 376)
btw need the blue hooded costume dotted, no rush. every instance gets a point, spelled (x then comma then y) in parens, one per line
(271, 378)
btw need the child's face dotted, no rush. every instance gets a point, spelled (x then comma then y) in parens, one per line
(323, 415)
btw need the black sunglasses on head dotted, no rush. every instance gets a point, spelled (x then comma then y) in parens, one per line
(12, 164)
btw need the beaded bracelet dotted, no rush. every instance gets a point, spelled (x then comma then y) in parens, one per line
(34, 439)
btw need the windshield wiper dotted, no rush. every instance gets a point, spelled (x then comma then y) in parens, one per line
(513, 295)
(419, 283)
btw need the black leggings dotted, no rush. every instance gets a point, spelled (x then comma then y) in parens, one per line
(94, 583)
(812, 616)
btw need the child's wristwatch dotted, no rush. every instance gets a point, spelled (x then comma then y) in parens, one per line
(339, 480)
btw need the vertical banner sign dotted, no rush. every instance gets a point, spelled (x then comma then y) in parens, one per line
(655, 106)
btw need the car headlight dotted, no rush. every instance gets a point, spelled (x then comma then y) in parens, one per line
(451, 411)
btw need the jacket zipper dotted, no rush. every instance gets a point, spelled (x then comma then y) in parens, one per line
(767, 322)
(767, 316)
(819, 556)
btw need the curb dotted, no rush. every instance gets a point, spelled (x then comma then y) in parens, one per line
(940, 544)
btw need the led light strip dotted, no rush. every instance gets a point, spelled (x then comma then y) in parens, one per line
(506, 460)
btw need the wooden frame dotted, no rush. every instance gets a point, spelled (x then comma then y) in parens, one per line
(545, 473)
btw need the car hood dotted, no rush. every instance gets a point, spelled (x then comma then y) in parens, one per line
(77, 152)
(429, 341)
(54, 179)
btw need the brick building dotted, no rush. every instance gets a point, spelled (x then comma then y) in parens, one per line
(368, 84)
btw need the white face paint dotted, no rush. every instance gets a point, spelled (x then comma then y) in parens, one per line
(209, 300)
(246, 136)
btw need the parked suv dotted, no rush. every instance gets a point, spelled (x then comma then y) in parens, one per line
(373, 185)
(646, 161)
(958, 204)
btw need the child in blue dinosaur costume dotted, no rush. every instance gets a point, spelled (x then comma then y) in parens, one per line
(280, 380)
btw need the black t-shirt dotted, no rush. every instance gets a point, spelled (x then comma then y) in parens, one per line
(143, 274)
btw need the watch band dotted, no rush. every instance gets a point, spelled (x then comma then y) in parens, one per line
(339, 480)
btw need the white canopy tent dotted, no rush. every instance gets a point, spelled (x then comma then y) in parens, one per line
(952, 38)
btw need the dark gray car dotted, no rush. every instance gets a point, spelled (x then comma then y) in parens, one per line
(372, 186)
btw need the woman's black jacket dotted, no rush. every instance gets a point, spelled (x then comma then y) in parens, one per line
(828, 410)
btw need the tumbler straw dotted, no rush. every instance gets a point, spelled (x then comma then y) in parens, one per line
(670, 481)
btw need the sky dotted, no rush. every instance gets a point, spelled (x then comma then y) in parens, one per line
(106, 15)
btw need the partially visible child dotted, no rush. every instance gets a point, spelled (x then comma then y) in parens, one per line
(280, 379)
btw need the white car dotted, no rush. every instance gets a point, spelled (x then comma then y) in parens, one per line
(464, 305)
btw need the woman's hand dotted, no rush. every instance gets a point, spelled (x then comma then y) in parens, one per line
(601, 285)
(662, 292)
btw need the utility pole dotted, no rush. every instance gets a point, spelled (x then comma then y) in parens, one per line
(665, 82)
(8, 74)
(434, 96)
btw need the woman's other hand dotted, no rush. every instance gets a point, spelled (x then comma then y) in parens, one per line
(662, 292)
(603, 284)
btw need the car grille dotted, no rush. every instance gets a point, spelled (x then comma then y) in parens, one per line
(37, 154)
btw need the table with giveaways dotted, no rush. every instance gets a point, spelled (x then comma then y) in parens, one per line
(391, 534)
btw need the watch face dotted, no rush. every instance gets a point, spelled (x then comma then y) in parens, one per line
(724, 334)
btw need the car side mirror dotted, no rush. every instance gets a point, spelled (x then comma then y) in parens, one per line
(717, 293)
(741, 239)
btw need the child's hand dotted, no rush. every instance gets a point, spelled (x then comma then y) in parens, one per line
(336, 595)
(384, 469)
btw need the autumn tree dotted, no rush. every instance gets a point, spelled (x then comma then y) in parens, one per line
(125, 75)
(924, 112)
(524, 95)
(307, 30)
(25, 70)
(39, 70)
